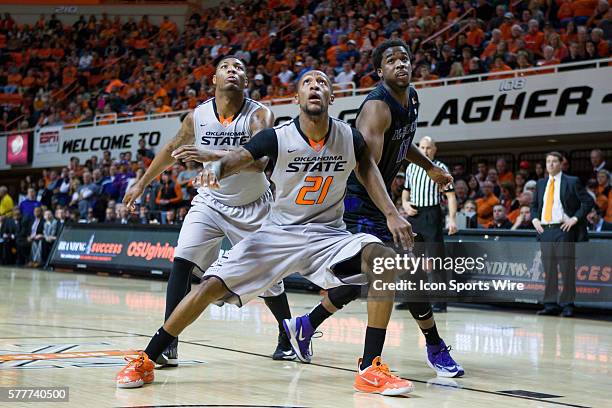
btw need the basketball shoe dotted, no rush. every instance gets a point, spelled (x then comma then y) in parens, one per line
(169, 358)
(138, 371)
(283, 349)
(299, 332)
(377, 379)
(440, 360)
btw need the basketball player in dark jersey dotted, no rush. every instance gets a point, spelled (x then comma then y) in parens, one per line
(387, 119)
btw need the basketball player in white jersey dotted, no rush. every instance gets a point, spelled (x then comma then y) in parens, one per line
(234, 210)
(313, 156)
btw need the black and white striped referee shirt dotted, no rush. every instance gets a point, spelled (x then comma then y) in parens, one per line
(424, 192)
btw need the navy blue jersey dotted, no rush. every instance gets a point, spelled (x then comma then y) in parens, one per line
(398, 139)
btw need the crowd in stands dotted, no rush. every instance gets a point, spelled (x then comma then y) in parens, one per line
(495, 197)
(91, 192)
(54, 73)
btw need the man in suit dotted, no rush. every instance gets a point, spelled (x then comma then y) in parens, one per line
(33, 228)
(559, 216)
(596, 221)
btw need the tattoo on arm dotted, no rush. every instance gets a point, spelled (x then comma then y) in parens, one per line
(262, 118)
(185, 135)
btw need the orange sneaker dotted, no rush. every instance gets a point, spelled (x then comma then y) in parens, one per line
(377, 379)
(138, 371)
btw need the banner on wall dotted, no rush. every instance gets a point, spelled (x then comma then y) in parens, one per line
(571, 102)
(143, 249)
(17, 146)
(54, 145)
(536, 105)
(47, 139)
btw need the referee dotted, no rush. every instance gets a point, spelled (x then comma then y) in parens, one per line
(421, 201)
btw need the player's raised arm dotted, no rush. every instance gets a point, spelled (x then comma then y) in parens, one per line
(163, 159)
(368, 174)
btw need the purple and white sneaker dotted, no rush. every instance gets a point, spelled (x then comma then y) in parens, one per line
(300, 331)
(440, 360)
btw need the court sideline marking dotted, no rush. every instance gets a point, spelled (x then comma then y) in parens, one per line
(312, 364)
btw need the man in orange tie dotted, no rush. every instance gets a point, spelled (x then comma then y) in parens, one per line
(559, 217)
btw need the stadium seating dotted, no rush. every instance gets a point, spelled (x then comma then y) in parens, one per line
(54, 73)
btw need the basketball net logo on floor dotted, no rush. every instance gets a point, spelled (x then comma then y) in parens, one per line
(67, 355)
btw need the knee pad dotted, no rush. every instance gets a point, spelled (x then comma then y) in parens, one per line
(343, 295)
(182, 267)
(420, 310)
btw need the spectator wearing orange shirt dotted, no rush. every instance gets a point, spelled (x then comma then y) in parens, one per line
(565, 14)
(525, 199)
(168, 26)
(140, 45)
(160, 107)
(203, 71)
(475, 36)
(491, 47)
(569, 34)
(500, 66)
(454, 12)
(599, 14)
(426, 75)
(30, 79)
(506, 26)
(583, 10)
(560, 48)
(503, 174)
(485, 204)
(534, 37)
(170, 194)
(517, 42)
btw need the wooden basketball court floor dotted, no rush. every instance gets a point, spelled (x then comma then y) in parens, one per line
(511, 359)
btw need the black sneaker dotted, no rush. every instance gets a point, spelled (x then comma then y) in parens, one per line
(283, 349)
(169, 358)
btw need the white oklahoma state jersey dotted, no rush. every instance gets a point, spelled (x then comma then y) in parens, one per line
(310, 180)
(215, 133)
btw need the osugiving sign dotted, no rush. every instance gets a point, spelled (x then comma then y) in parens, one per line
(115, 247)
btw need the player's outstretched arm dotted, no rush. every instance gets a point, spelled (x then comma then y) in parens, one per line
(368, 174)
(162, 160)
(261, 145)
(231, 163)
(436, 173)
